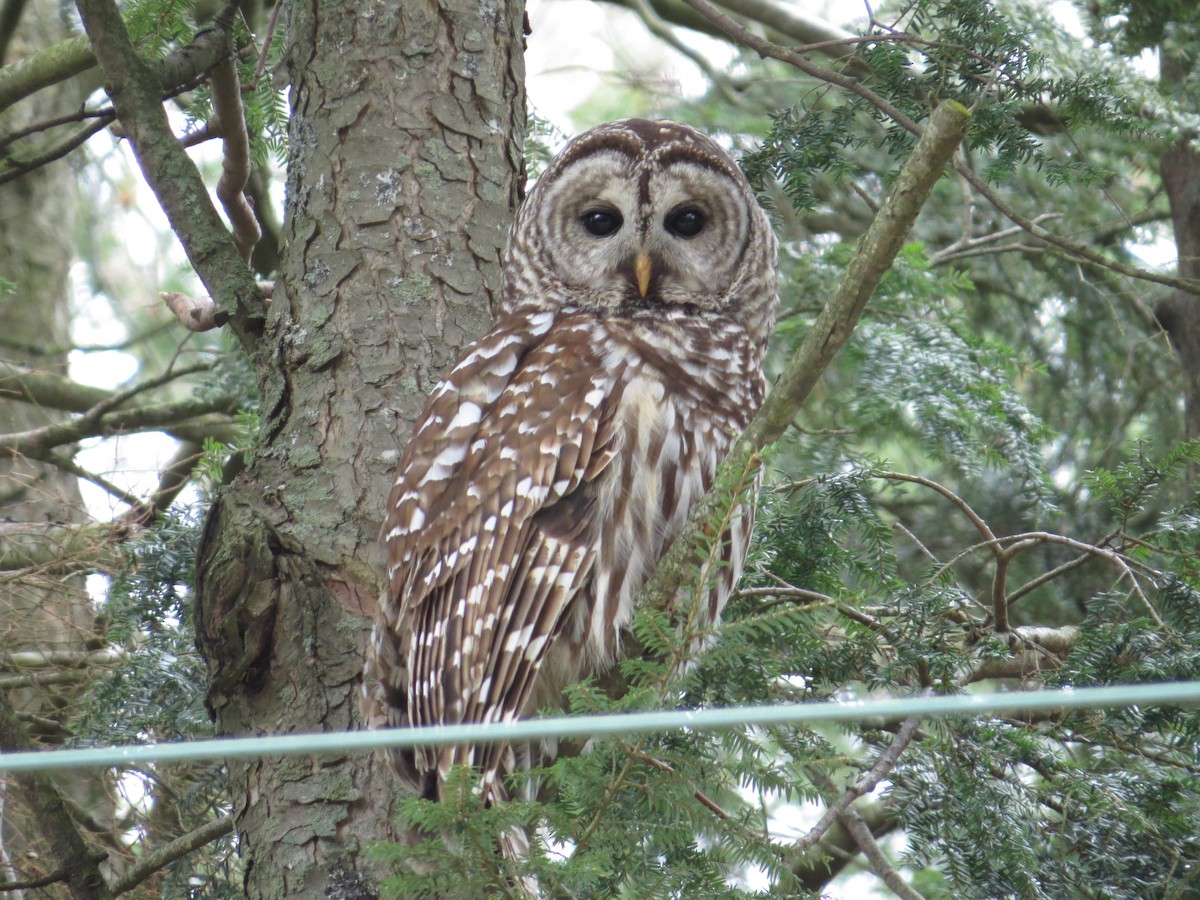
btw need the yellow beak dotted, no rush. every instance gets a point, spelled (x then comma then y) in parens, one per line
(641, 268)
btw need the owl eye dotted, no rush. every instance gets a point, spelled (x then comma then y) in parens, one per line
(601, 222)
(687, 223)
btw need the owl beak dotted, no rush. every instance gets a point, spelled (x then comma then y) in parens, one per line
(642, 269)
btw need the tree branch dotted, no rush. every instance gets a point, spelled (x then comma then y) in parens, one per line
(235, 157)
(1035, 649)
(875, 856)
(864, 784)
(45, 68)
(181, 846)
(134, 87)
(78, 865)
(60, 548)
(59, 659)
(191, 419)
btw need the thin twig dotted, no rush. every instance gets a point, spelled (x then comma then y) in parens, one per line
(266, 46)
(864, 784)
(181, 846)
(977, 520)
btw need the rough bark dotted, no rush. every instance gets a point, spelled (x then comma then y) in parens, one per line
(407, 124)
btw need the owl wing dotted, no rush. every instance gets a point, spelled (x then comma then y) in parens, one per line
(487, 527)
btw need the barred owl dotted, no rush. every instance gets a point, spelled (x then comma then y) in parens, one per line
(554, 464)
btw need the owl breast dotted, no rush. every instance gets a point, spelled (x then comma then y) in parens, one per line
(675, 416)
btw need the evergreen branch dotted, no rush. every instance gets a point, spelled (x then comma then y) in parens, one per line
(832, 328)
(180, 847)
(133, 86)
(702, 798)
(1072, 249)
(79, 867)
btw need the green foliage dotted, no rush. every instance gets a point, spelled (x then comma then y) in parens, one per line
(974, 52)
(1001, 435)
(152, 693)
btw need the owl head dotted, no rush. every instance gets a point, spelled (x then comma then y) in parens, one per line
(640, 214)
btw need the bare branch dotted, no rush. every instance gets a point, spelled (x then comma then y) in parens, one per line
(266, 46)
(977, 520)
(47, 389)
(44, 68)
(10, 17)
(57, 151)
(875, 856)
(66, 846)
(1035, 649)
(181, 846)
(42, 679)
(191, 419)
(1035, 583)
(864, 784)
(54, 877)
(235, 163)
(45, 659)
(172, 480)
(1070, 249)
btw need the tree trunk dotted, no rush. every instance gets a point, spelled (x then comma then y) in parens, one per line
(407, 124)
(1179, 313)
(40, 610)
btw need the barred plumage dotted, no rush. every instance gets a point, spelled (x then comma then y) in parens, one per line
(554, 464)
